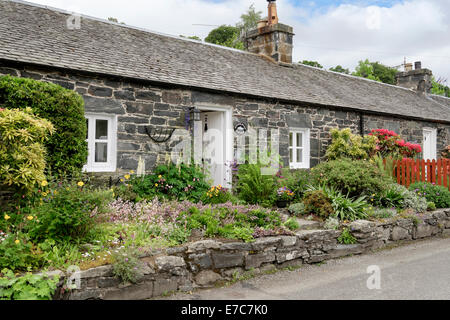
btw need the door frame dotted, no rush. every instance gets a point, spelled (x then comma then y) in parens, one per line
(229, 138)
(433, 135)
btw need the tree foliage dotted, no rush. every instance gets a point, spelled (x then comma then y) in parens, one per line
(312, 64)
(249, 20)
(227, 36)
(340, 69)
(67, 147)
(22, 155)
(375, 71)
(440, 88)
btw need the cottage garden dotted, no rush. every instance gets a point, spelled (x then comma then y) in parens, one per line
(58, 218)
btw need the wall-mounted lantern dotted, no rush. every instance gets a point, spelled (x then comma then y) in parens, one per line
(195, 114)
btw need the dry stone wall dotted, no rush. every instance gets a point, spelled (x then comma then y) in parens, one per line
(205, 263)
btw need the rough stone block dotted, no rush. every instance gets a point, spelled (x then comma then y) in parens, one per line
(163, 286)
(288, 241)
(203, 245)
(200, 261)
(167, 263)
(287, 255)
(103, 271)
(100, 91)
(101, 105)
(148, 95)
(256, 260)
(228, 260)
(264, 243)
(140, 108)
(399, 233)
(207, 278)
(140, 291)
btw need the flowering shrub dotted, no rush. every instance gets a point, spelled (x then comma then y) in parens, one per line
(440, 195)
(390, 144)
(22, 161)
(180, 182)
(127, 266)
(284, 193)
(217, 194)
(68, 214)
(446, 152)
(345, 144)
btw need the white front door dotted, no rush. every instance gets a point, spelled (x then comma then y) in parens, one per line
(429, 144)
(213, 157)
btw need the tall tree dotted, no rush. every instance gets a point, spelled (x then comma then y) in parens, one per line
(375, 71)
(340, 69)
(227, 36)
(440, 88)
(249, 20)
(312, 64)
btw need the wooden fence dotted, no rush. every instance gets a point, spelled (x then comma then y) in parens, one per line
(408, 171)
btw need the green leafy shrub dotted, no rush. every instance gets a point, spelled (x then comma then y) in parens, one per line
(127, 266)
(344, 208)
(297, 209)
(392, 197)
(67, 148)
(440, 195)
(68, 215)
(431, 206)
(345, 144)
(318, 203)
(355, 178)
(27, 287)
(17, 254)
(253, 187)
(291, 224)
(346, 237)
(182, 182)
(228, 223)
(295, 180)
(22, 155)
(217, 194)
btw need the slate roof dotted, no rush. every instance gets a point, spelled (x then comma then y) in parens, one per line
(37, 34)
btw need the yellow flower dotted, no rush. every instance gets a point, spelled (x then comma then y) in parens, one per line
(44, 194)
(30, 218)
(156, 184)
(160, 176)
(44, 183)
(7, 217)
(121, 180)
(127, 176)
(56, 192)
(80, 184)
(17, 241)
(132, 171)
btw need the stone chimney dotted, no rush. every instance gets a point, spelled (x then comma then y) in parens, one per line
(418, 79)
(271, 38)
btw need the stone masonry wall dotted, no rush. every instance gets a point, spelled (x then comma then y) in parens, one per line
(205, 263)
(140, 104)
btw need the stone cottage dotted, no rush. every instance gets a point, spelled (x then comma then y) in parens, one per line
(144, 90)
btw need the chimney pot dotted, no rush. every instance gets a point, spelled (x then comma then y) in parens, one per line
(418, 65)
(408, 67)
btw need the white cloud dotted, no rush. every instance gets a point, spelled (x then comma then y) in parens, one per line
(417, 29)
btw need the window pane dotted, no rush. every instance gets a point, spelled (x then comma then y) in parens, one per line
(299, 155)
(291, 155)
(101, 129)
(101, 152)
(291, 137)
(87, 129)
(299, 139)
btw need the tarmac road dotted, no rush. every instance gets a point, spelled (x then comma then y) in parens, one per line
(418, 270)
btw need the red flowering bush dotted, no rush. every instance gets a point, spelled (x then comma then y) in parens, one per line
(446, 152)
(390, 144)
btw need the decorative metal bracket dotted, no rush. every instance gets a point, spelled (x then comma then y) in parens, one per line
(158, 134)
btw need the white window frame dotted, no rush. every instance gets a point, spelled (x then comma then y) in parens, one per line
(110, 165)
(305, 163)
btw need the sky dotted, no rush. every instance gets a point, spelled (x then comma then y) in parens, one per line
(332, 32)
